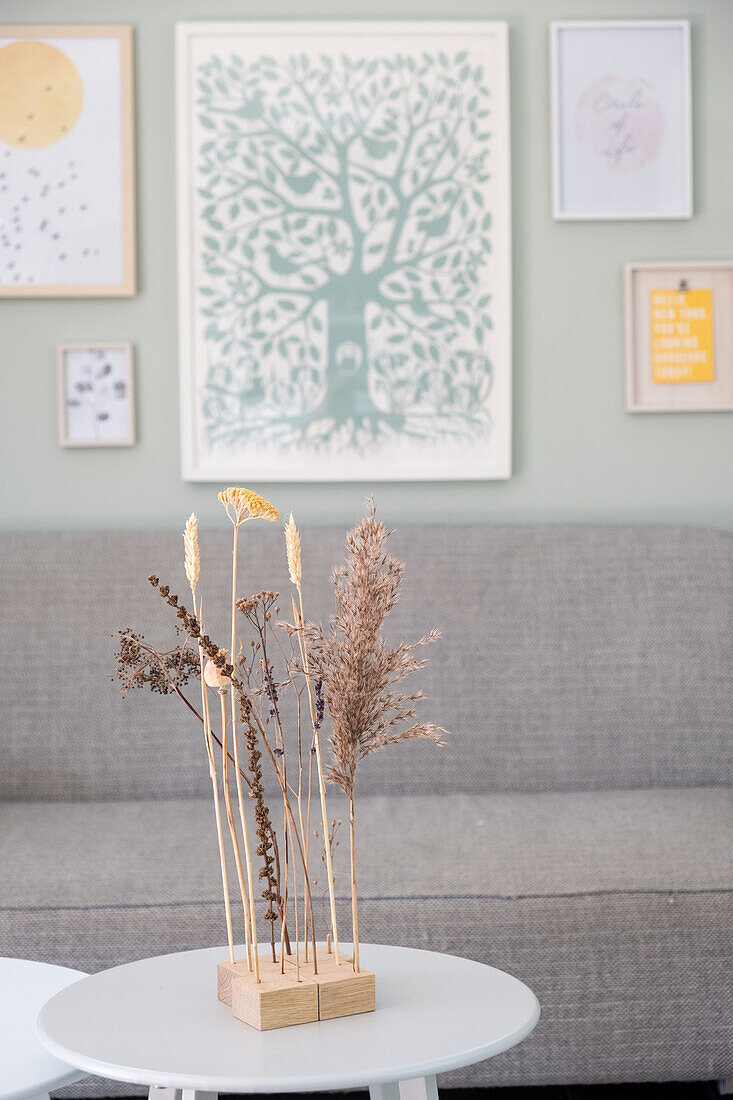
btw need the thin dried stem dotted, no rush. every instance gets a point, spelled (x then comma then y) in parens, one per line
(212, 774)
(354, 907)
(230, 817)
(235, 743)
(300, 622)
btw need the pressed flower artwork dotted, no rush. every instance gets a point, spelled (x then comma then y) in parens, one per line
(95, 395)
(345, 309)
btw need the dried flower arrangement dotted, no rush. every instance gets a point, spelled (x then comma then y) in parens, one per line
(345, 671)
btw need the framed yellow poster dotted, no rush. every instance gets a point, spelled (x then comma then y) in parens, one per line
(679, 337)
(682, 335)
(67, 219)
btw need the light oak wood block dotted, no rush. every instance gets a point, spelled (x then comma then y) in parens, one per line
(278, 1000)
(341, 992)
(226, 971)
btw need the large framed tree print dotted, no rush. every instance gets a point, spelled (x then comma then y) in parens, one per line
(344, 224)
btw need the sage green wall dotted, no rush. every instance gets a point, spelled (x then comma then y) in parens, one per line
(577, 454)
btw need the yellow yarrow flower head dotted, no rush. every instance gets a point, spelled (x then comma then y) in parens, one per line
(243, 504)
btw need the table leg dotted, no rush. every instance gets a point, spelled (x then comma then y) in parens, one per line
(157, 1092)
(417, 1088)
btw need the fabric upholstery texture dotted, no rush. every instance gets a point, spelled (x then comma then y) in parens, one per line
(571, 658)
(576, 829)
(616, 907)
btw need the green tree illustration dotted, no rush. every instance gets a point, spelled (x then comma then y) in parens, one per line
(346, 248)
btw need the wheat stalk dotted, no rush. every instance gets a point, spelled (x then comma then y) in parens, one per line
(192, 564)
(292, 546)
(192, 560)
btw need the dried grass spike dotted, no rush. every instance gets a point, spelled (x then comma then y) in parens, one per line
(292, 545)
(191, 550)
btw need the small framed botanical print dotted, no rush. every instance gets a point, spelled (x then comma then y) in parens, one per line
(679, 337)
(621, 119)
(96, 404)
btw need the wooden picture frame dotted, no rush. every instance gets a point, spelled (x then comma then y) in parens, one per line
(606, 165)
(343, 359)
(95, 394)
(67, 203)
(679, 336)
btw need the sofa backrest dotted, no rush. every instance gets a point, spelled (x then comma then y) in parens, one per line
(570, 657)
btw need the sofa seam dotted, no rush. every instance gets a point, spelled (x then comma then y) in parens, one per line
(391, 899)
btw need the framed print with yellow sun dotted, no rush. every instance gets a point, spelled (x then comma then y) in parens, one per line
(67, 219)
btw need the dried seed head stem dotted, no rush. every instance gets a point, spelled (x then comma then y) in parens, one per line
(191, 552)
(292, 545)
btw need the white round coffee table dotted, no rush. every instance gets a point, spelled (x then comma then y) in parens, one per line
(157, 1022)
(26, 1067)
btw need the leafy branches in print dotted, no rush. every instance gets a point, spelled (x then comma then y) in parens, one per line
(346, 245)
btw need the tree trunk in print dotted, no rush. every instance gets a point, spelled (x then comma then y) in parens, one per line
(347, 396)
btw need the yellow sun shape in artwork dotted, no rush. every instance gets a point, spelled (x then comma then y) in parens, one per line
(41, 94)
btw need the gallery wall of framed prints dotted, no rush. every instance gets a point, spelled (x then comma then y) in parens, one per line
(344, 232)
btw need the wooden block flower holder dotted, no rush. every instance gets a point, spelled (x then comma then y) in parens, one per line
(282, 999)
(275, 1001)
(344, 673)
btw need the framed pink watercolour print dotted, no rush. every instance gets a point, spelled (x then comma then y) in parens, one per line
(621, 119)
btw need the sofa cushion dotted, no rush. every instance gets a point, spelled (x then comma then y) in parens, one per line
(616, 907)
(570, 657)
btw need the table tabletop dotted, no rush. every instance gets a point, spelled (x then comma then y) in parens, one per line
(158, 1022)
(28, 1068)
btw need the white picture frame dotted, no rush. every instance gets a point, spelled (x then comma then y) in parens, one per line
(486, 350)
(620, 93)
(95, 394)
(666, 342)
(67, 193)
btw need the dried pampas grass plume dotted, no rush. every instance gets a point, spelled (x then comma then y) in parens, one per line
(191, 551)
(245, 504)
(292, 545)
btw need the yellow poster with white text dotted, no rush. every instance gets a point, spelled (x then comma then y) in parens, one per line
(682, 336)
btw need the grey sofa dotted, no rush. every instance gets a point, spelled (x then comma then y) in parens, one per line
(575, 831)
